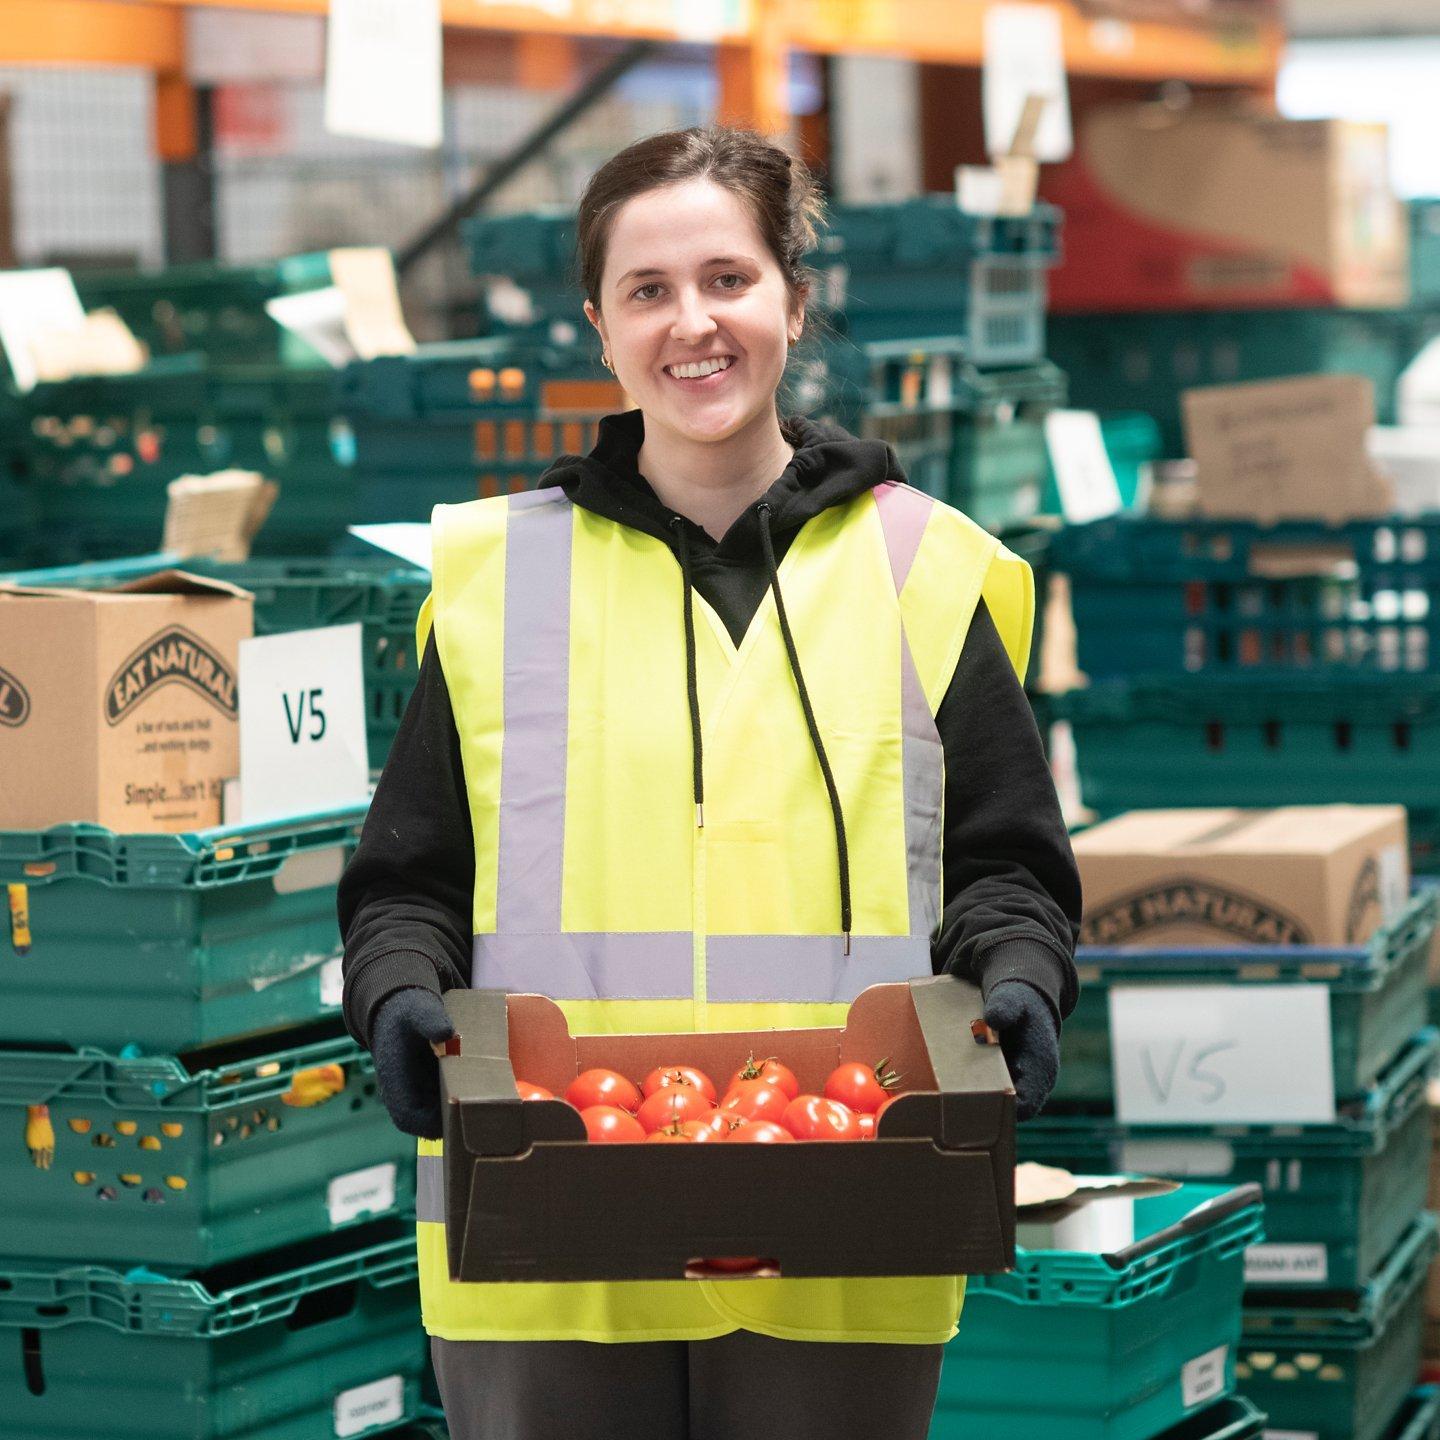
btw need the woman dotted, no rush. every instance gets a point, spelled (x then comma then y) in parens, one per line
(715, 728)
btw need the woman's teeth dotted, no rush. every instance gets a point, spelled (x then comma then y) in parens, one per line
(699, 371)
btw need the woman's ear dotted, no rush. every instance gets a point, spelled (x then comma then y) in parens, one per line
(593, 316)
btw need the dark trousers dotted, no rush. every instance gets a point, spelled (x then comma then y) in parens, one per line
(741, 1386)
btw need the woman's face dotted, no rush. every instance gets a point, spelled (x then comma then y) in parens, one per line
(689, 279)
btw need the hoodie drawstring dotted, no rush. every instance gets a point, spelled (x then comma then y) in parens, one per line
(816, 743)
(678, 526)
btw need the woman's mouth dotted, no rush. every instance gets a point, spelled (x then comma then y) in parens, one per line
(703, 374)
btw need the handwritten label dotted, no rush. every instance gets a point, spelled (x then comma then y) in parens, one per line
(1203, 1378)
(1287, 1264)
(382, 1402)
(302, 723)
(1215, 1054)
(362, 1192)
(1084, 475)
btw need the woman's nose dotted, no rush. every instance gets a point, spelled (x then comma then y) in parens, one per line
(692, 320)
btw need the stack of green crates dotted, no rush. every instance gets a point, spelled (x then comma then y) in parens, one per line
(464, 420)
(205, 1208)
(974, 438)
(103, 449)
(1135, 1345)
(1346, 1234)
(1144, 360)
(1239, 664)
(216, 310)
(378, 592)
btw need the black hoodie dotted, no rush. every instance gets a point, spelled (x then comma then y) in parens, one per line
(1011, 889)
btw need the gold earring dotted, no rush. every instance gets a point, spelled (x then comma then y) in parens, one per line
(605, 361)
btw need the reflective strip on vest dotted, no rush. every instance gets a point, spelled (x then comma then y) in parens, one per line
(430, 1188)
(537, 696)
(530, 952)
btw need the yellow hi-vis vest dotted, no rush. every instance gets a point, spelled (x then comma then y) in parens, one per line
(563, 647)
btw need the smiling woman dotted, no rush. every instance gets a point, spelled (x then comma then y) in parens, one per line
(717, 728)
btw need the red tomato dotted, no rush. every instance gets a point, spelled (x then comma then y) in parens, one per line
(815, 1117)
(528, 1090)
(722, 1122)
(885, 1104)
(771, 1070)
(691, 1132)
(859, 1087)
(672, 1103)
(733, 1262)
(678, 1075)
(602, 1087)
(755, 1100)
(610, 1123)
(759, 1132)
(867, 1126)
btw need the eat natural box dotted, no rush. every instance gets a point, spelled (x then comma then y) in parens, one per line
(1298, 875)
(527, 1197)
(119, 707)
(1222, 206)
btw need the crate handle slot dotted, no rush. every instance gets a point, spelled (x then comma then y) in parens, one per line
(34, 1365)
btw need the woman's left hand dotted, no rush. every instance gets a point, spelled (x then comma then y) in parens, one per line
(1029, 1040)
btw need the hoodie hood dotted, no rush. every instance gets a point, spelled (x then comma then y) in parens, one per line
(830, 466)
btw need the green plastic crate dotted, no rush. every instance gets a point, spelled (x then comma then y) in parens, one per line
(1419, 1417)
(1338, 1198)
(379, 592)
(297, 1344)
(1107, 1347)
(1377, 998)
(466, 419)
(103, 449)
(1159, 742)
(1145, 360)
(171, 942)
(1342, 1374)
(187, 1161)
(1154, 596)
(216, 309)
(1424, 251)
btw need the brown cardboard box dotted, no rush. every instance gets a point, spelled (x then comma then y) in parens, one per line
(1286, 448)
(119, 706)
(1220, 206)
(1302, 875)
(527, 1197)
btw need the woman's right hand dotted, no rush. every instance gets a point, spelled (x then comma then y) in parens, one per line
(407, 1027)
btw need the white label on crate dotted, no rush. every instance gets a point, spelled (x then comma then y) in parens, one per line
(1203, 1378)
(332, 982)
(310, 870)
(302, 723)
(1222, 1054)
(1084, 475)
(1394, 886)
(1289, 1435)
(361, 1192)
(1177, 1159)
(382, 1402)
(1287, 1264)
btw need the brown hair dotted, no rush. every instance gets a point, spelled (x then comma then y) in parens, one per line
(778, 189)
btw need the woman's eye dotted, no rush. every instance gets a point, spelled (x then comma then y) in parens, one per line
(731, 275)
(640, 293)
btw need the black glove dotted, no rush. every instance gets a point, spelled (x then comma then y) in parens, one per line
(406, 1068)
(1029, 1040)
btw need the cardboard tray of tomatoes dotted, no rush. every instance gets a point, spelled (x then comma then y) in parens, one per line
(528, 1197)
